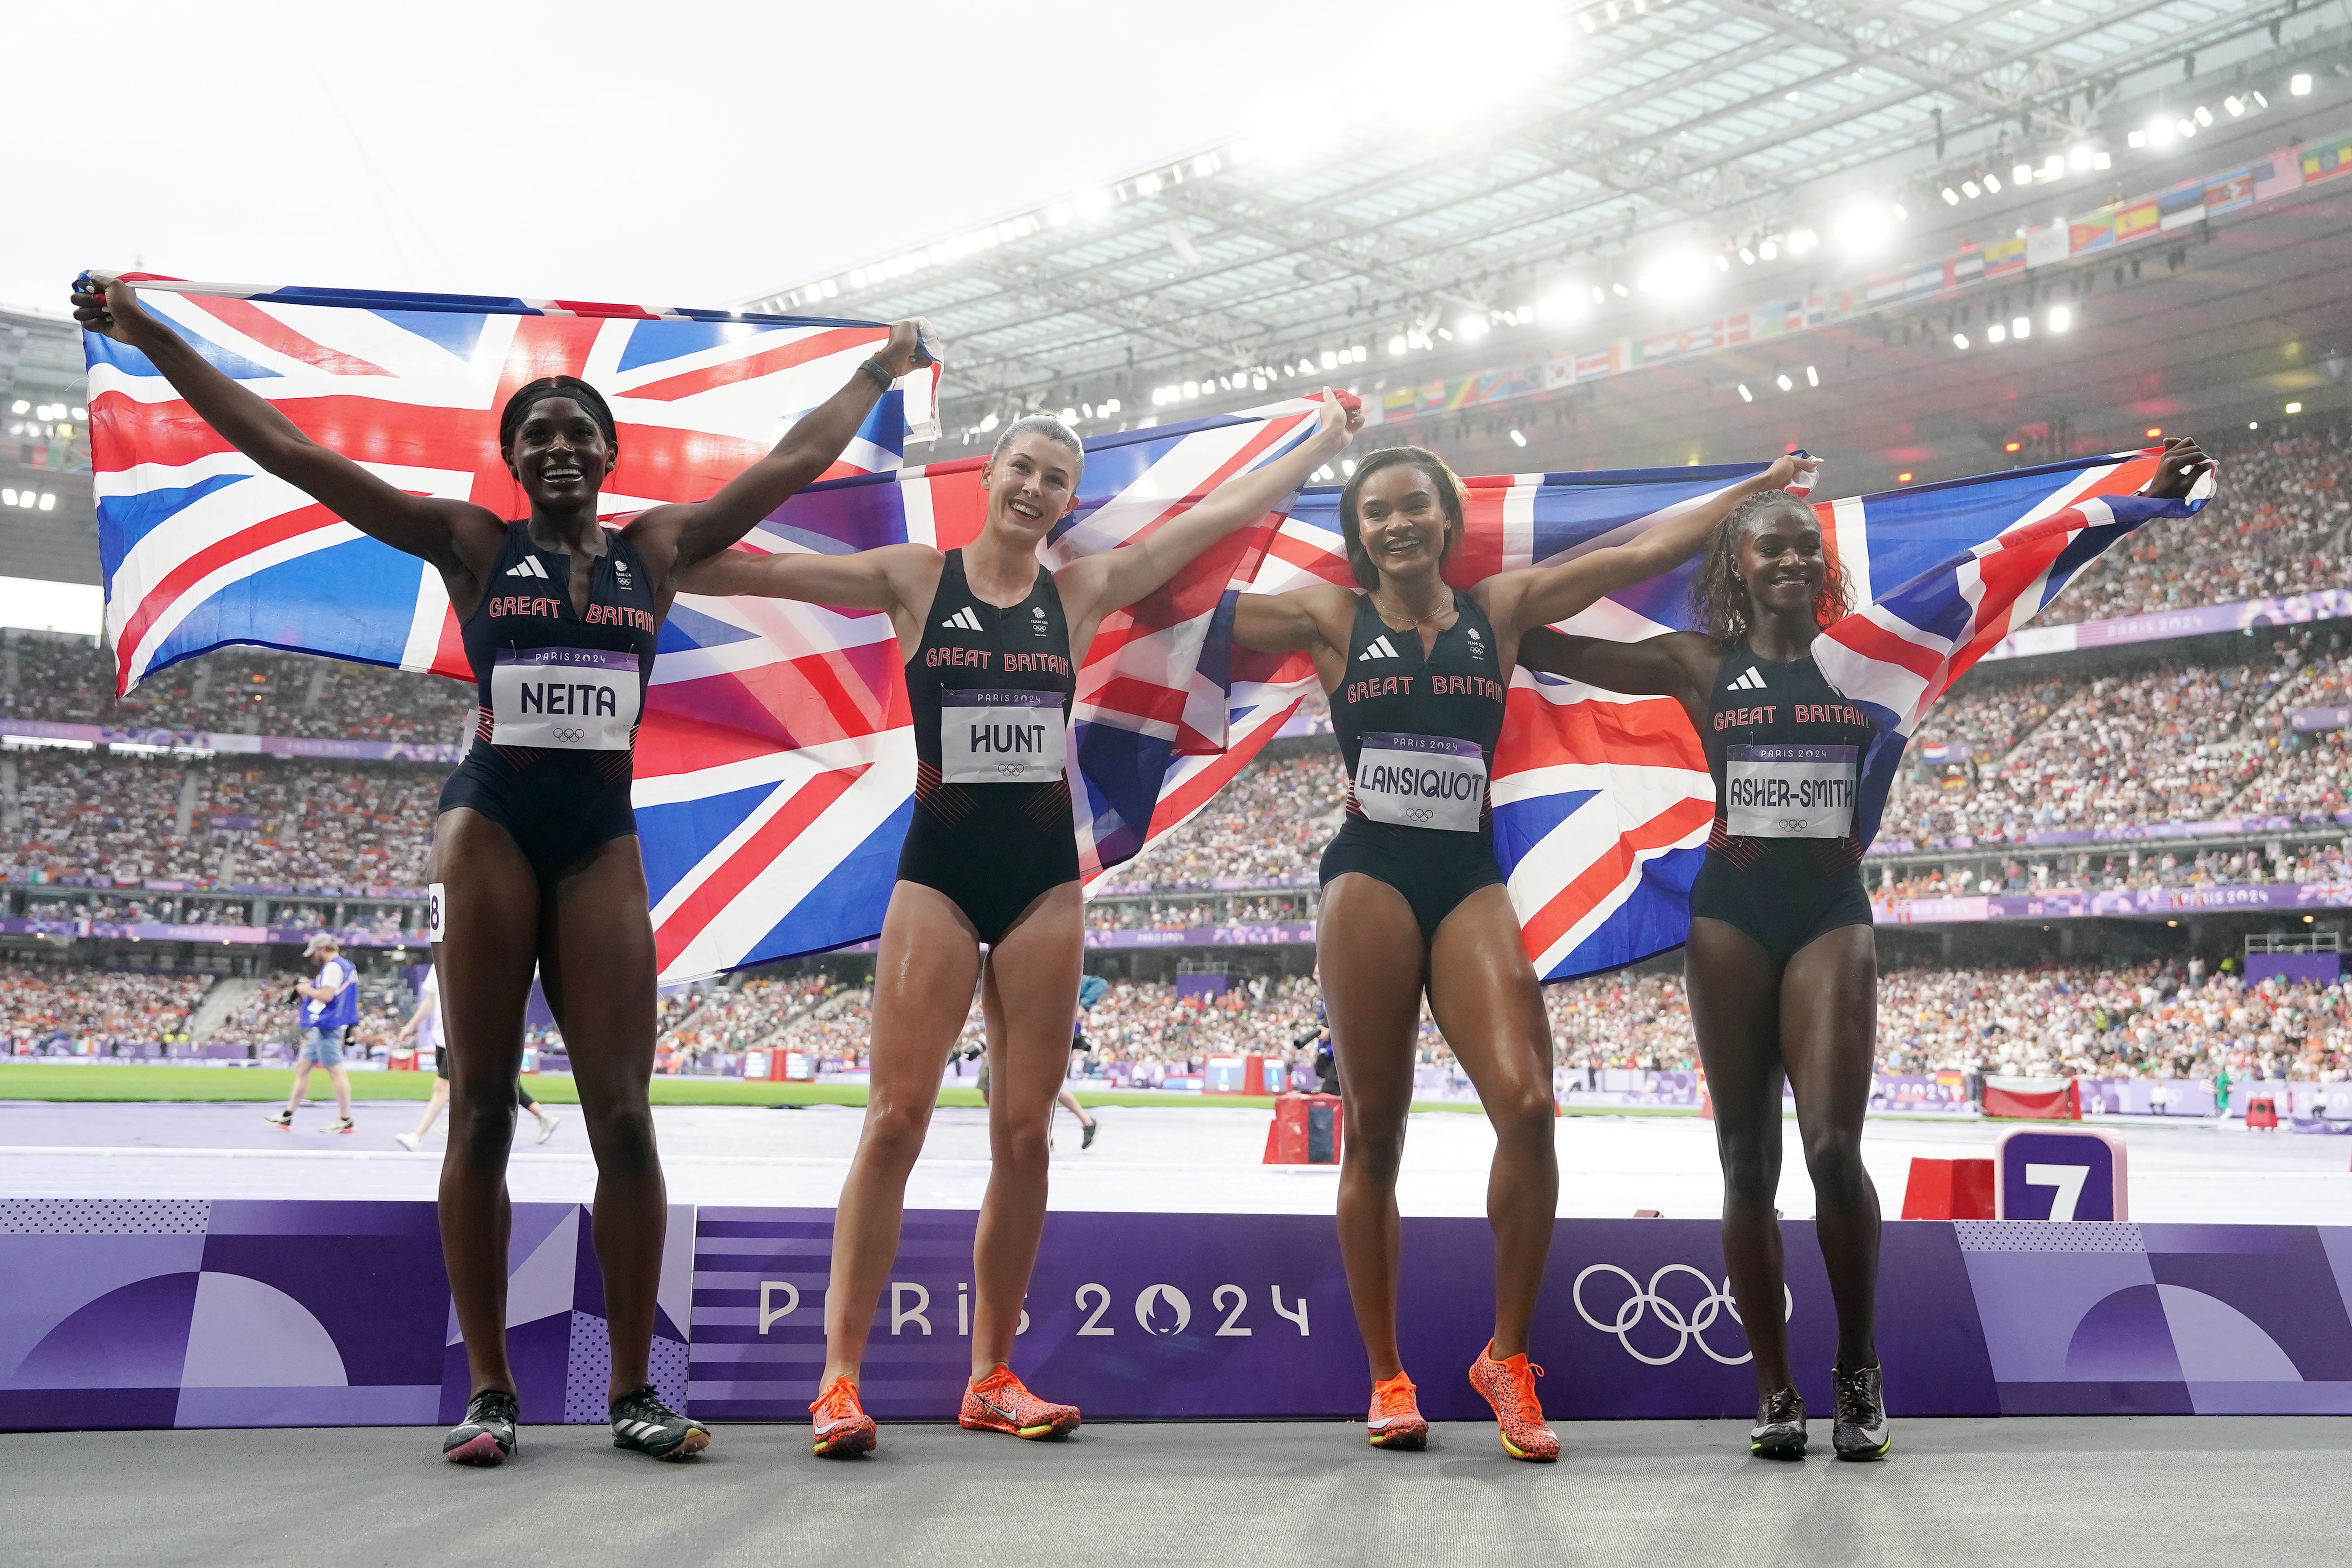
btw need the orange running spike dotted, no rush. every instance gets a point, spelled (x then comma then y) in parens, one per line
(1395, 1421)
(999, 1403)
(1510, 1387)
(841, 1427)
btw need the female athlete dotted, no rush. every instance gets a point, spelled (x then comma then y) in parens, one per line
(1413, 900)
(535, 862)
(992, 643)
(1782, 965)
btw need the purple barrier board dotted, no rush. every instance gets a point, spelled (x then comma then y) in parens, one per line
(165, 1312)
(2137, 901)
(2310, 968)
(2295, 609)
(92, 735)
(156, 1313)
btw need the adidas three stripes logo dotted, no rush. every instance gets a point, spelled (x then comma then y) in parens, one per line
(1751, 681)
(528, 566)
(1379, 647)
(964, 620)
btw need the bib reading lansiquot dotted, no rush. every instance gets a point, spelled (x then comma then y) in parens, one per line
(1790, 792)
(565, 699)
(1422, 780)
(1001, 737)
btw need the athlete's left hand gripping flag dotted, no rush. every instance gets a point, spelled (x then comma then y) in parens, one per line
(201, 548)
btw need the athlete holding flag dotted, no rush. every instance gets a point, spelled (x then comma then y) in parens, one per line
(992, 642)
(535, 864)
(1413, 900)
(1783, 964)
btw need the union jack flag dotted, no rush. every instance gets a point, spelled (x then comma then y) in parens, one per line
(1602, 801)
(201, 548)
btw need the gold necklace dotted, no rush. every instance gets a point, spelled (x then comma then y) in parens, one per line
(1417, 621)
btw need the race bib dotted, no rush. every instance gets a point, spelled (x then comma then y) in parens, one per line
(565, 699)
(1790, 792)
(1003, 737)
(1422, 780)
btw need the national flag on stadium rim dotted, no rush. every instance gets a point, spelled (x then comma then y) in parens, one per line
(1602, 801)
(774, 763)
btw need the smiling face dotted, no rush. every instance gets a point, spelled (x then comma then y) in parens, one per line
(1780, 561)
(1402, 521)
(1032, 484)
(559, 454)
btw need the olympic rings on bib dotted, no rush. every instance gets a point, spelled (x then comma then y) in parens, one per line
(1643, 1302)
(565, 732)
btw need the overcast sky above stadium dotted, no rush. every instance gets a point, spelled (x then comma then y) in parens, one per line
(652, 153)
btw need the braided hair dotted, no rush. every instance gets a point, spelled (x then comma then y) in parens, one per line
(1718, 594)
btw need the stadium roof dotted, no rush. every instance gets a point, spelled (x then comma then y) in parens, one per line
(1505, 181)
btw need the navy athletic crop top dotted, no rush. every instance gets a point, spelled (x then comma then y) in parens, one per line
(1785, 750)
(1419, 731)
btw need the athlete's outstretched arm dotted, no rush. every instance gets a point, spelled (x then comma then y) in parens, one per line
(1539, 595)
(695, 531)
(454, 535)
(1674, 664)
(1300, 621)
(883, 578)
(2176, 472)
(1095, 586)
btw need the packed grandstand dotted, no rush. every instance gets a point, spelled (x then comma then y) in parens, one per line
(2205, 763)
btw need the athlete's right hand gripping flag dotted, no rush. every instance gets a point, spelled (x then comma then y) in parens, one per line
(1602, 800)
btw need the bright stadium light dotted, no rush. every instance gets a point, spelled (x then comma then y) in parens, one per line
(20, 406)
(2299, 84)
(2062, 318)
(2203, 115)
(1471, 326)
(2022, 175)
(988, 421)
(1993, 184)
(1517, 439)
(7, 498)
(2022, 327)
(1951, 197)
(1813, 376)
(2136, 139)
(1397, 345)
(1680, 273)
(1770, 249)
(1959, 339)
(2291, 408)
(1564, 304)
(1746, 396)
(1996, 333)
(1746, 257)
(1861, 230)
(1331, 360)
(2102, 162)
(2235, 105)
(1786, 384)
(1971, 189)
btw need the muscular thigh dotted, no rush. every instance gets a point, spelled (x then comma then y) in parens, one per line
(1735, 1002)
(1488, 1004)
(489, 944)
(1369, 961)
(1031, 990)
(596, 964)
(1829, 1024)
(924, 977)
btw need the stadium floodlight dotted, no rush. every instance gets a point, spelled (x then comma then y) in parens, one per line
(1111, 405)
(1397, 345)
(1471, 327)
(988, 421)
(2062, 318)
(2203, 115)
(20, 406)
(1902, 214)
(1331, 360)
(2260, 101)
(1972, 189)
(2235, 105)
(1903, 478)
(2079, 158)
(1069, 416)
(1683, 272)
(1620, 291)
(1993, 183)
(2160, 131)
(1347, 467)
(2022, 327)
(1191, 389)
(2253, 423)
(1517, 439)
(1813, 376)
(2187, 127)
(2135, 140)
(1746, 396)
(1786, 384)
(81, 413)
(1359, 353)
(2022, 174)
(1564, 304)
(1996, 333)
(1801, 241)
(2101, 161)
(1959, 339)
(2299, 84)
(1861, 230)
(1746, 257)
(1951, 197)
(1770, 249)
(2291, 408)
(1722, 262)
(7, 498)
(1091, 203)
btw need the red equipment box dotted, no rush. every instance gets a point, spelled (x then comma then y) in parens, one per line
(2262, 1111)
(1949, 1189)
(1306, 1131)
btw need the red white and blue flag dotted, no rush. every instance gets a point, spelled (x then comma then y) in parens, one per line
(1602, 801)
(774, 765)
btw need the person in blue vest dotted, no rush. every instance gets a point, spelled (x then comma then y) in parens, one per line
(328, 1008)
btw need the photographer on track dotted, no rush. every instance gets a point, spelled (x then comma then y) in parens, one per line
(328, 1008)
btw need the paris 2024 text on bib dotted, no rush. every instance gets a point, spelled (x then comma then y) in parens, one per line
(565, 699)
(1422, 780)
(1790, 792)
(1001, 737)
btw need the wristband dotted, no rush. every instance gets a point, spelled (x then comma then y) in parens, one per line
(882, 378)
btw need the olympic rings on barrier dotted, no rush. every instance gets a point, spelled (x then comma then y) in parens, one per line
(1643, 1302)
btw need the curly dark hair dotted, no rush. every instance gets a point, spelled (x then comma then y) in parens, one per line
(1449, 496)
(1719, 595)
